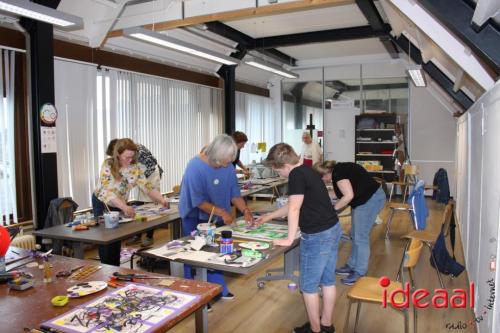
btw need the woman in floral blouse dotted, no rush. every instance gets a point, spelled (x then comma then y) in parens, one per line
(118, 176)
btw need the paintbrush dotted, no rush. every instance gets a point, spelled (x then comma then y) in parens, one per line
(211, 215)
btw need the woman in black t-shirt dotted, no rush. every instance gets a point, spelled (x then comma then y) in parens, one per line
(310, 208)
(354, 186)
(240, 139)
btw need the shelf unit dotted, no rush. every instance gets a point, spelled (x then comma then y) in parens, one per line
(379, 129)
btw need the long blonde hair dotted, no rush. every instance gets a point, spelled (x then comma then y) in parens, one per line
(120, 146)
(325, 167)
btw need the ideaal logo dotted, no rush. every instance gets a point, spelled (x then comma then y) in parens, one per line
(441, 299)
(478, 318)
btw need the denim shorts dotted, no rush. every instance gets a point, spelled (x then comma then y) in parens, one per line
(318, 259)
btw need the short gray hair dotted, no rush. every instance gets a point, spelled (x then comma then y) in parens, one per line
(220, 149)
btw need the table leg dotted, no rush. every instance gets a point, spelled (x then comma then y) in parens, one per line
(78, 250)
(176, 229)
(201, 315)
(176, 269)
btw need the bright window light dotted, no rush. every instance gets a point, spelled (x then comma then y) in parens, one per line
(271, 68)
(40, 13)
(172, 43)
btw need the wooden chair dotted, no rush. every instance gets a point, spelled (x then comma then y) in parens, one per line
(401, 207)
(429, 236)
(410, 179)
(368, 289)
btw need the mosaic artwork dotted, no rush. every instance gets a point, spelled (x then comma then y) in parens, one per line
(131, 309)
(267, 231)
(150, 210)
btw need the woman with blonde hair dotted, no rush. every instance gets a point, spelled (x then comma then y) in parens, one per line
(119, 174)
(354, 186)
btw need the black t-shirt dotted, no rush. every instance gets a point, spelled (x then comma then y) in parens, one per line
(363, 184)
(237, 159)
(317, 213)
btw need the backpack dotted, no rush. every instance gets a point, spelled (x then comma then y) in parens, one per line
(445, 263)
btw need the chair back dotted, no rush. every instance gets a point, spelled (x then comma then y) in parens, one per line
(412, 253)
(176, 189)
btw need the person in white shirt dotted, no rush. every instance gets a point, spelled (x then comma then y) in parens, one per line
(311, 151)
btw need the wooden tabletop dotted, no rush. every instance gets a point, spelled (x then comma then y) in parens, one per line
(102, 236)
(29, 308)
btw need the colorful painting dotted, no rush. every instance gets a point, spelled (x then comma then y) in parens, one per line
(150, 210)
(132, 309)
(267, 231)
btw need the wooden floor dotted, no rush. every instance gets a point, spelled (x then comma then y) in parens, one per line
(276, 309)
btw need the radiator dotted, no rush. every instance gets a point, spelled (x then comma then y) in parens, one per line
(25, 242)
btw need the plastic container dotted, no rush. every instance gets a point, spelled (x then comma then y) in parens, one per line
(111, 220)
(208, 231)
(226, 242)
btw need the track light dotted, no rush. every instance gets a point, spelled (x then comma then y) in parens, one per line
(156, 38)
(255, 62)
(416, 74)
(40, 13)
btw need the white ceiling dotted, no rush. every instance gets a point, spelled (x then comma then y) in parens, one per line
(305, 21)
(335, 49)
(100, 16)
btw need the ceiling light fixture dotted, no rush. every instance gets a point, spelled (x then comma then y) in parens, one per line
(417, 75)
(255, 62)
(156, 38)
(40, 13)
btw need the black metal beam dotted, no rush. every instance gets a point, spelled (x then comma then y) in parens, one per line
(458, 18)
(247, 42)
(41, 55)
(228, 74)
(373, 17)
(435, 73)
(334, 35)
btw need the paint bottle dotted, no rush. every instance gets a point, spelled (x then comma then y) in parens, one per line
(226, 242)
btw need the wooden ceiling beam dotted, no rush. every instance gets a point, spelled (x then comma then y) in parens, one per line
(279, 8)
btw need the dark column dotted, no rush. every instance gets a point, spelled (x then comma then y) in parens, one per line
(228, 75)
(41, 57)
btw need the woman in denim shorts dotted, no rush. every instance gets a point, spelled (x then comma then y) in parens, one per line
(309, 207)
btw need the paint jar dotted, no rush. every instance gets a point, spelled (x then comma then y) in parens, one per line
(226, 242)
(47, 270)
(111, 220)
(208, 231)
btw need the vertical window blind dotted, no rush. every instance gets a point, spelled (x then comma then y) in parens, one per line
(171, 118)
(8, 211)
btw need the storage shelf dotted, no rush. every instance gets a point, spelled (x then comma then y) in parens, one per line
(374, 155)
(375, 129)
(378, 142)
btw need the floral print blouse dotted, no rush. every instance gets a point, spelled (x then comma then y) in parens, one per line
(108, 188)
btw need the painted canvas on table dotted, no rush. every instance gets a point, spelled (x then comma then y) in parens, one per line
(267, 231)
(150, 210)
(131, 309)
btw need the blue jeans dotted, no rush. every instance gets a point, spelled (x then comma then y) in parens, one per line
(363, 218)
(188, 225)
(109, 254)
(318, 259)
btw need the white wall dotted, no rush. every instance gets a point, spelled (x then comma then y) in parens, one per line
(431, 135)
(478, 199)
(340, 134)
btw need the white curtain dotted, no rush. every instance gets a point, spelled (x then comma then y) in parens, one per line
(8, 210)
(174, 120)
(255, 117)
(79, 132)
